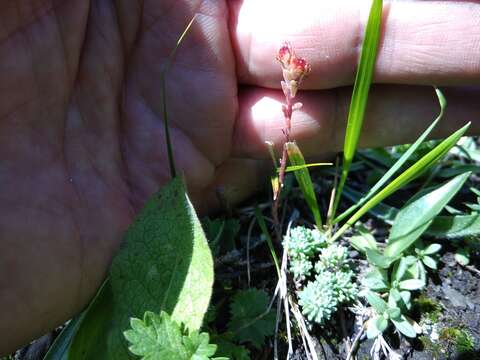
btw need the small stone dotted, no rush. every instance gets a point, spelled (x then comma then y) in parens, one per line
(456, 298)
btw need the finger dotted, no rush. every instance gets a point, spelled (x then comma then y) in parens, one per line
(431, 42)
(235, 180)
(396, 114)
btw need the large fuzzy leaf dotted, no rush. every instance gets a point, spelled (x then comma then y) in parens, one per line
(164, 264)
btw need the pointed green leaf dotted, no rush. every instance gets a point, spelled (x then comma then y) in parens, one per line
(59, 349)
(408, 175)
(304, 181)
(443, 227)
(361, 89)
(430, 262)
(411, 284)
(412, 221)
(432, 249)
(462, 256)
(363, 240)
(399, 163)
(404, 327)
(304, 166)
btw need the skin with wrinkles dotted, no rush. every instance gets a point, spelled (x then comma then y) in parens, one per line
(81, 131)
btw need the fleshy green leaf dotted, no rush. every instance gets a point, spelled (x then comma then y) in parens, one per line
(250, 321)
(432, 249)
(373, 325)
(411, 284)
(379, 260)
(412, 221)
(400, 299)
(304, 181)
(363, 240)
(462, 256)
(404, 327)
(376, 280)
(376, 302)
(393, 312)
(164, 264)
(430, 262)
(361, 89)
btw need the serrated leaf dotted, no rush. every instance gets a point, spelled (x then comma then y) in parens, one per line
(304, 181)
(164, 264)
(250, 321)
(159, 337)
(412, 220)
(229, 350)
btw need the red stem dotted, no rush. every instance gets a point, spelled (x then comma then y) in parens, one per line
(283, 167)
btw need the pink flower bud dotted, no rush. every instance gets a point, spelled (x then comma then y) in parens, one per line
(294, 68)
(285, 55)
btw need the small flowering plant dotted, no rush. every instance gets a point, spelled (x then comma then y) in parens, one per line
(322, 278)
(294, 70)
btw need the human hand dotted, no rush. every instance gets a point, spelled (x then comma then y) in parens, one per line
(81, 132)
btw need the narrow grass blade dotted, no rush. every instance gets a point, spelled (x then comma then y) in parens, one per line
(300, 167)
(171, 162)
(399, 163)
(408, 175)
(443, 226)
(361, 88)
(304, 180)
(268, 238)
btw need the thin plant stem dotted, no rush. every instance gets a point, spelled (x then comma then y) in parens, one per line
(283, 167)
